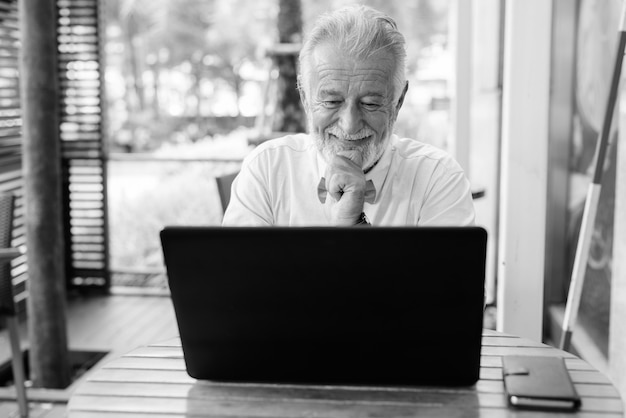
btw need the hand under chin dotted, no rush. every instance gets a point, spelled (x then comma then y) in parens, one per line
(355, 156)
(346, 186)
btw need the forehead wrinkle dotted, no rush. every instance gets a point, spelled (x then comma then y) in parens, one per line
(327, 70)
(334, 92)
(348, 76)
(343, 76)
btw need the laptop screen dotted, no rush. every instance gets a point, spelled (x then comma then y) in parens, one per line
(379, 305)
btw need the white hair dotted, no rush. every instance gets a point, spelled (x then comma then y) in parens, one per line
(360, 32)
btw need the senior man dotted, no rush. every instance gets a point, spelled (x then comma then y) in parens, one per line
(350, 169)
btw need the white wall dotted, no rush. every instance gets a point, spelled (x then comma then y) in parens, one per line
(525, 128)
(461, 81)
(485, 107)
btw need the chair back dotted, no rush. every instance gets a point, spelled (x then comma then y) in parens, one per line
(223, 187)
(7, 303)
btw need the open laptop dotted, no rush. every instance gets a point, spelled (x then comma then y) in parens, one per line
(329, 305)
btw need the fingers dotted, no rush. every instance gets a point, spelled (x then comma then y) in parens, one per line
(341, 183)
(344, 175)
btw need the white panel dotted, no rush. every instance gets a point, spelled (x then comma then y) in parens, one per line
(461, 83)
(485, 126)
(524, 167)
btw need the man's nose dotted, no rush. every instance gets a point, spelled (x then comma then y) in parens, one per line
(350, 120)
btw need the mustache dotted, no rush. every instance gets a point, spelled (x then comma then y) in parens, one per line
(339, 133)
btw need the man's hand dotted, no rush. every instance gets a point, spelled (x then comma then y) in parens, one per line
(345, 182)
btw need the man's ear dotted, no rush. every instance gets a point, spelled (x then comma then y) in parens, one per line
(401, 99)
(303, 98)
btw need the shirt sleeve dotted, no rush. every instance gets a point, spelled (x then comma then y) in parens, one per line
(249, 200)
(449, 201)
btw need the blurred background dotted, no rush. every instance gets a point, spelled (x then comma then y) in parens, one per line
(191, 86)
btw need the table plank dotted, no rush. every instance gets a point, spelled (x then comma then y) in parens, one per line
(157, 351)
(528, 351)
(280, 403)
(261, 407)
(487, 360)
(148, 363)
(282, 391)
(584, 389)
(117, 376)
(585, 376)
(146, 376)
(570, 363)
(109, 414)
(487, 413)
(502, 341)
(156, 362)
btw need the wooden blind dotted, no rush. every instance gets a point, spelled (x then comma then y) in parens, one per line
(11, 138)
(81, 133)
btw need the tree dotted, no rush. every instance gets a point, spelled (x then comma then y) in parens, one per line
(290, 115)
(47, 328)
(242, 29)
(155, 37)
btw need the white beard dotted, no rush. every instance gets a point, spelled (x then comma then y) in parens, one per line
(370, 150)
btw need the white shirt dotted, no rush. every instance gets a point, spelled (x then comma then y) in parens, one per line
(416, 184)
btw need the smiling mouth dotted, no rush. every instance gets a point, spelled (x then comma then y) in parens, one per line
(362, 139)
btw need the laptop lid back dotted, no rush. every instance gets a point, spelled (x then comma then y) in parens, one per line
(380, 305)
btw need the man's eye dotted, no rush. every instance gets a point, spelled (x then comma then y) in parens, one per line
(371, 106)
(331, 103)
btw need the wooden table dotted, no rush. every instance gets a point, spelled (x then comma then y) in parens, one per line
(152, 381)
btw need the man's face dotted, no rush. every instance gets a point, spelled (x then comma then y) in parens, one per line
(350, 103)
